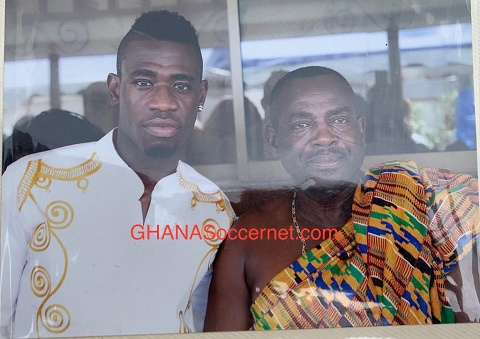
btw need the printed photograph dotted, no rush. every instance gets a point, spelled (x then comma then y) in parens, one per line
(176, 166)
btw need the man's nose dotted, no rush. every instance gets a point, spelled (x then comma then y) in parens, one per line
(324, 135)
(163, 99)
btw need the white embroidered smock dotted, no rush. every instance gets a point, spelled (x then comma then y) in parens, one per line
(72, 259)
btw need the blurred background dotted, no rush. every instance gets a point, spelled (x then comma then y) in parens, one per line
(409, 63)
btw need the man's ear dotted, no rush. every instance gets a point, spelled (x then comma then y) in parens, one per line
(361, 126)
(203, 92)
(113, 83)
(271, 136)
(264, 102)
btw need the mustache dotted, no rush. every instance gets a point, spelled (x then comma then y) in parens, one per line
(326, 150)
(160, 115)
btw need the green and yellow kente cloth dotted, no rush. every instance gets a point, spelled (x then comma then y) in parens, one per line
(387, 265)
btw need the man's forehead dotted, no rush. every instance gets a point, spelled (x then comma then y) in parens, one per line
(327, 82)
(318, 88)
(166, 54)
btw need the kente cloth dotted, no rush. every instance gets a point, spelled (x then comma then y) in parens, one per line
(388, 264)
(78, 260)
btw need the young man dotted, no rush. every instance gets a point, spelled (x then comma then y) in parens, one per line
(106, 238)
(402, 246)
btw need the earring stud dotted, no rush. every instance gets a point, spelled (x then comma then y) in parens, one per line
(200, 108)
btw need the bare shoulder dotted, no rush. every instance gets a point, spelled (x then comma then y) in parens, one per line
(269, 212)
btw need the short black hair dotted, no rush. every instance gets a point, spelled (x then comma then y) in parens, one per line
(303, 72)
(159, 25)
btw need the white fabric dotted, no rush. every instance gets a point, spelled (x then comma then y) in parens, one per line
(100, 280)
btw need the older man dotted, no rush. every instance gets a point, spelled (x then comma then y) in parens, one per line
(105, 238)
(405, 250)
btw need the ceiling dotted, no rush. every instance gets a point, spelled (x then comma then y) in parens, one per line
(37, 28)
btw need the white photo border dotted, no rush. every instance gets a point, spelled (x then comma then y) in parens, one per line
(425, 331)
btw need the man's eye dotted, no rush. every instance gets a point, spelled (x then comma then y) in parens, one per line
(340, 121)
(300, 125)
(143, 83)
(181, 87)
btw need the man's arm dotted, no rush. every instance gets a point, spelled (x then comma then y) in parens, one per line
(199, 301)
(229, 297)
(462, 287)
(13, 252)
(455, 228)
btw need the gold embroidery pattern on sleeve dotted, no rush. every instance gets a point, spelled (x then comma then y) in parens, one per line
(229, 210)
(40, 174)
(199, 196)
(41, 238)
(210, 255)
(55, 318)
(40, 281)
(222, 205)
(43, 183)
(27, 182)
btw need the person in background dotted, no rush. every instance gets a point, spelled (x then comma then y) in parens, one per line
(267, 91)
(49, 130)
(465, 114)
(98, 107)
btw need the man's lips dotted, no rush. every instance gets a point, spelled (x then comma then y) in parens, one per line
(326, 159)
(161, 128)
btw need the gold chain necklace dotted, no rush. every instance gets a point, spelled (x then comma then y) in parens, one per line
(294, 218)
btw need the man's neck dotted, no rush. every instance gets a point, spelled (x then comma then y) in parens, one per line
(140, 163)
(325, 209)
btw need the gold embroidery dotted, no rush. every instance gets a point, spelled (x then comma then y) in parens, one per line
(214, 244)
(40, 282)
(40, 239)
(214, 229)
(41, 175)
(44, 183)
(27, 182)
(228, 208)
(55, 318)
(222, 205)
(77, 173)
(83, 184)
(199, 196)
(59, 214)
(183, 327)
